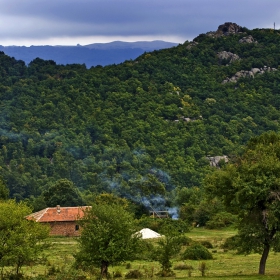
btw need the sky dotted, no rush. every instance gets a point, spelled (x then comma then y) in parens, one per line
(72, 22)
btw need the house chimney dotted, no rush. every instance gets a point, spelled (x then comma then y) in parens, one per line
(58, 208)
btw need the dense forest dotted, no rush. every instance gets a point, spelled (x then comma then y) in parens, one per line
(143, 129)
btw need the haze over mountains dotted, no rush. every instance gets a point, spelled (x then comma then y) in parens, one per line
(90, 55)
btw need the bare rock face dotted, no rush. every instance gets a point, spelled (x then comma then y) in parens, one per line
(214, 161)
(225, 29)
(248, 74)
(191, 44)
(231, 57)
(229, 28)
(248, 39)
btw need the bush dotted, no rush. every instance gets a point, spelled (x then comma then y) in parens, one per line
(158, 224)
(183, 266)
(12, 276)
(220, 220)
(146, 252)
(133, 274)
(117, 274)
(197, 252)
(230, 243)
(201, 216)
(147, 222)
(38, 277)
(184, 240)
(128, 266)
(53, 270)
(206, 244)
(166, 273)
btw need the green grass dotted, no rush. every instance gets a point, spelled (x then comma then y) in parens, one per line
(225, 265)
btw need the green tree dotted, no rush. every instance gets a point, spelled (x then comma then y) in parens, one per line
(147, 186)
(250, 187)
(63, 193)
(21, 240)
(4, 191)
(108, 237)
(106, 198)
(168, 246)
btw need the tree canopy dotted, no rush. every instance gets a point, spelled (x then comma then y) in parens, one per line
(62, 193)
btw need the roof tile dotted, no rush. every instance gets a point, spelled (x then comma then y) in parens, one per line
(58, 214)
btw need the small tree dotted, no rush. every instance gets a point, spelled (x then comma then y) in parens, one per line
(20, 240)
(250, 187)
(108, 237)
(168, 246)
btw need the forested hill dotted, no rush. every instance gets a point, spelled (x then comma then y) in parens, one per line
(140, 127)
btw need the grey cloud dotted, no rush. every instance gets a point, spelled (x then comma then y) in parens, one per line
(185, 18)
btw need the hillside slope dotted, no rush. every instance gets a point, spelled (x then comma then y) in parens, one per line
(140, 127)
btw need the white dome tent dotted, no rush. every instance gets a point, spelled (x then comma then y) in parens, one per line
(147, 233)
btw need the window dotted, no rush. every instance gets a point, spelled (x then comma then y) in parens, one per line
(77, 227)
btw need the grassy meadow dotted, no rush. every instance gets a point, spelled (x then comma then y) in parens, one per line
(225, 265)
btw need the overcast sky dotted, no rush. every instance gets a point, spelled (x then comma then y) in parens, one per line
(72, 22)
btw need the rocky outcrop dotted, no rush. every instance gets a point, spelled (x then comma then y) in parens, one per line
(187, 119)
(248, 74)
(191, 44)
(214, 161)
(229, 28)
(225, 29)
(231, 57)
(248, 39)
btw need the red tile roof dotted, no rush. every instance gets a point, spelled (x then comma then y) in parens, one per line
(58, 214)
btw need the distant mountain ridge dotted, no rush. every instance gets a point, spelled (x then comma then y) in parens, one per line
(90, 55)
(144, 45)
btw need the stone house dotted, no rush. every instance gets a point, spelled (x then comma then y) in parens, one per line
(62, 220)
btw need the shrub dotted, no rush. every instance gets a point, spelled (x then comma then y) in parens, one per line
(230, 243)
(12, 276)
(220, 220)
(183, 266)
(38, 277)
(146, 252)
(184, 240)
(53, 270)
(117, 274)
(128, 266)
(158, 224)
(149, 273)
(201, 216)
(133, 274)
(197, 252)
(166, 273)
(206, 244)
(67, 273)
